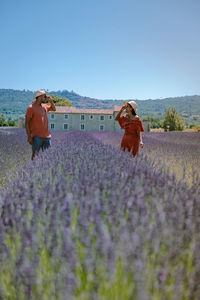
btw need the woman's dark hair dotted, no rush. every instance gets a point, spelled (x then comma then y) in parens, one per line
(133, 111)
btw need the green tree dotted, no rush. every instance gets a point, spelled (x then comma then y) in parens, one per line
(154, 122)
(12, 123)
(173, 121)
(60, 101)
(3, 121)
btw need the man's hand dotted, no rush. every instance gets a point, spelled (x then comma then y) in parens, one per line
(53, 108)
(49, 99)
(30, 140)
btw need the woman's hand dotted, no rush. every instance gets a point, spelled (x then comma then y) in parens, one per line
(119, 113)
(141, 144)
(123, 108)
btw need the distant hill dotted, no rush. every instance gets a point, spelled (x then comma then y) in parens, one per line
(13, 103)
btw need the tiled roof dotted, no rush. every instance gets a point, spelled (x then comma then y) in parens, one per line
(117, 107)
(74, 110)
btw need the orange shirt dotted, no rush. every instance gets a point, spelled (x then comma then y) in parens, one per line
(39, 125)
(130, 126)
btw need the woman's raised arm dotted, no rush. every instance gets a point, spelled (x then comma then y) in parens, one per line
(119, 113)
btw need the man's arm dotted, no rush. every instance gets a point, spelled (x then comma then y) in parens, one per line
(27, 126)
(52, 106)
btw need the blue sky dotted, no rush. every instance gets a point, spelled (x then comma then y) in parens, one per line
(106, 49)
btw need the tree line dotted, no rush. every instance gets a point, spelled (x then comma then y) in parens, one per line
(5, 122)
(58, 101)
(172, 121)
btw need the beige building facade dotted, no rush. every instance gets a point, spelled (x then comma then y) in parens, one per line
(84, 119)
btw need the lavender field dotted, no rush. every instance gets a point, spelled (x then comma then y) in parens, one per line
(87, 221)
(177, 153)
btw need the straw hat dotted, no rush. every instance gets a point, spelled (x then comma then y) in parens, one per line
(40, 93)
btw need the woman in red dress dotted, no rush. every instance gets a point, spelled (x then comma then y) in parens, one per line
(132, 126)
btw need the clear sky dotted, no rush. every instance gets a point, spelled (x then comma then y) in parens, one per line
(106, 49)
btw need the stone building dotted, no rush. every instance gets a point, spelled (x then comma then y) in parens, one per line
(21, 123)
(84, 119)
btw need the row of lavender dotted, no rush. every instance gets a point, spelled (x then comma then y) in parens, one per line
(87, 221)
(179, 151)
(173, 152)
(14, 152)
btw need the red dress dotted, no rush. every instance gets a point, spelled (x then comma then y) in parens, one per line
(131, 139)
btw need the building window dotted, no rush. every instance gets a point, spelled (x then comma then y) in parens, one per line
(52, 116)
(82, 117)
(82, 127)
(91, 117)
(52, 126)
(101, 127)
(101, 118)
(65, 126)
(110, 117)
(66, 117)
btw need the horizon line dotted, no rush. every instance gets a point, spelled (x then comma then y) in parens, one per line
(73, 92)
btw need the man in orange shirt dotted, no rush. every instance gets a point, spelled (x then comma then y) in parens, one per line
(37, 126)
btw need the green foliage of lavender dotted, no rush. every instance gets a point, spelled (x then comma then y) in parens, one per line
(87, 221)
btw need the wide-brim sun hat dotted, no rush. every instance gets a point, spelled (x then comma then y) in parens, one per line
(40, 93)
(133, 104)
